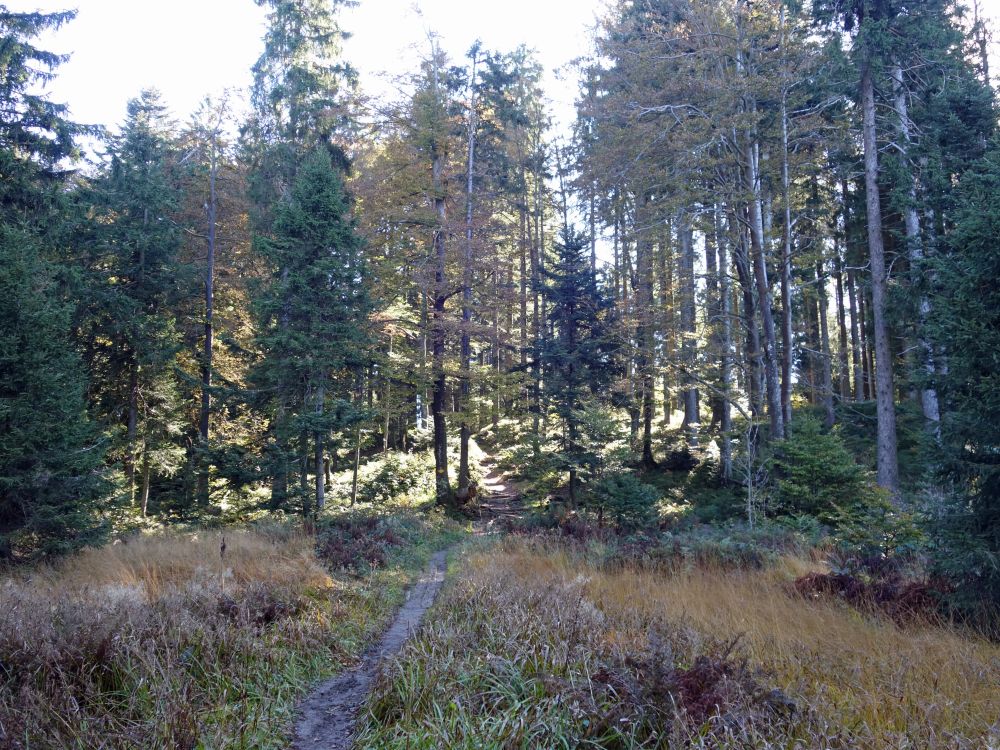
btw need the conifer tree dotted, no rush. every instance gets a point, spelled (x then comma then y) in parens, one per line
(575, 355)
(50, 451)
(314, 332)
(136, 286)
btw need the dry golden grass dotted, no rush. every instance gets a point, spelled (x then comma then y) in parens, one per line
(166, 642)
(919, 686)
(155, 562)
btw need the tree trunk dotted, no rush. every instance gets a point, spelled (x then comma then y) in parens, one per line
(357, 466)
(843, 370)
(787, 341)
(202, 491)
(888, 468)
(753, 354)
(915, 249)
(826, 358)
(725, 355)
(645, 339)
(442, 483)
(465, 432)
(856, 349)
(318, 457)
(772, 384)
(131, 429)
(692, 418)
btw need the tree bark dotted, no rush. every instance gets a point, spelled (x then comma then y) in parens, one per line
(771, 380)
(692, 418)
(826, 358)
(888, 467)
(465, 432)
(915, 249)
(202, 491)
(318, 457)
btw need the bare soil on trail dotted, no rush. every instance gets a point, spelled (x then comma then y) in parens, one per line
(328, 716)
(500, 501)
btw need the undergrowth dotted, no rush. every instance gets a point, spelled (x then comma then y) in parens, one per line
(534, 644)
(171, 641)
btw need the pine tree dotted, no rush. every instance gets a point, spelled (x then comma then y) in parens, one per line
(314, 332)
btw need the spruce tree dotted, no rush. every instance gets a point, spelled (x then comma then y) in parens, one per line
(314, 334)
(50, 451)
(575, 355)
(136, 285)
(967, 322)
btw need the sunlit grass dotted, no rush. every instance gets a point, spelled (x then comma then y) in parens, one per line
(534, 646)
(167, 642)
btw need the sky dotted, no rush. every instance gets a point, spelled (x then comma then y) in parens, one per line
(191, 48)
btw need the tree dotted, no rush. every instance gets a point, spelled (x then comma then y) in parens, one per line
(136, 285)
(314, 330)
(576, 355)
(51, 453)
(966, 319)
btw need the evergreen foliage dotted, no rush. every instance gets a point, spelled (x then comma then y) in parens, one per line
(967, 323)
(50, 452)
(314, 331)
(576, 355)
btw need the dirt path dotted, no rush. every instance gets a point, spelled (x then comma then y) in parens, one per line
(500, 500)
(329, 715)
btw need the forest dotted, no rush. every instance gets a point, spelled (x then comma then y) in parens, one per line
(691, 411)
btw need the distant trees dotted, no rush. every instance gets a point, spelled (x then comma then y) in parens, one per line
(783, 210)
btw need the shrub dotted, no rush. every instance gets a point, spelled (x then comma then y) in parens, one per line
(629, 502)
(397, 476)
(816, 475)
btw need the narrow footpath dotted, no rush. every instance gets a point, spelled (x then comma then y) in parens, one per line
(328, 716)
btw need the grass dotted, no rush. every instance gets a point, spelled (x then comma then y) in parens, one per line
(533, 645)
(166, 642)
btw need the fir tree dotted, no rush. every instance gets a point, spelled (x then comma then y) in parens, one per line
(575, 355)
(50, 452)
(967, 321)
(136, 286)
(314, 324)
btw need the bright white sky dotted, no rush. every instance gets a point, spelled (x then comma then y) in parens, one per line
(190, 48)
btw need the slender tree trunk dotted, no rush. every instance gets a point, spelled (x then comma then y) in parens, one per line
(146, 476)
(666, 316)
(856, 349)
(753, 354)
(787, 341)
(725, 355)
(202, 491)
(692, 418)
(465, 431)
(357, 466)
(132, 425)
(318, 457)
(843, 370)
(915, 248)
(888, 468)
(771, 380)
(645, 338)
(439, 385)
(826, 358)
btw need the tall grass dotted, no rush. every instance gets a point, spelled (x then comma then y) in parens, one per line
(167, 642)
(534, 646)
